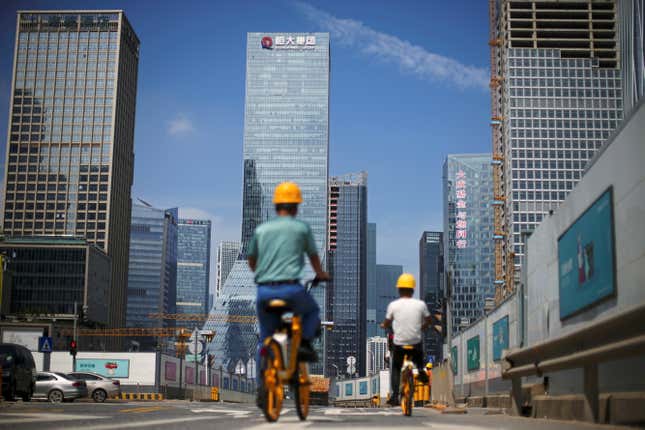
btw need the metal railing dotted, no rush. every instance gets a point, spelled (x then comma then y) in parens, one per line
(612, 338)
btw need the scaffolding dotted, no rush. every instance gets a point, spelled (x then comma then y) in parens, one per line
(497, 124)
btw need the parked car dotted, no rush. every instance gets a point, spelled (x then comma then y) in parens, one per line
(58, 387)
(99, 387)
(18, 371)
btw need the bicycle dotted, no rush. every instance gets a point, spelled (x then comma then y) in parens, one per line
(406, 386)
(279, 364)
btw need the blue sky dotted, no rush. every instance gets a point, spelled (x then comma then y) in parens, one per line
(408, 87)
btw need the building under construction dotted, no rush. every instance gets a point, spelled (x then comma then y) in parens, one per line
(556, 96)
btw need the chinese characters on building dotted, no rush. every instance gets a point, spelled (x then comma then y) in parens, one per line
(295, 42)
(461, 225)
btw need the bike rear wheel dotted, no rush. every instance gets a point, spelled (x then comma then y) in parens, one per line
(302, 388)
(272, 390)
(407, 392)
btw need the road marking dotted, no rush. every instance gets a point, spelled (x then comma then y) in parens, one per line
(41, 417)
(237, 413)
(149, 423)
(359, 412)
(142, 410)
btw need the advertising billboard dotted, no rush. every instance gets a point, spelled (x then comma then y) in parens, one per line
(111, 368)
(586, 258)
(473, 353)
(500, 337)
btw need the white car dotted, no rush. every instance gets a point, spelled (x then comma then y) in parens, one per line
(99, 388)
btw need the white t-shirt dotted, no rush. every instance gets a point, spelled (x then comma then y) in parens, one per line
(408, 315)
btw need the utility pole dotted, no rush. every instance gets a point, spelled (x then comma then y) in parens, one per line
(195, 357)
(75, 335)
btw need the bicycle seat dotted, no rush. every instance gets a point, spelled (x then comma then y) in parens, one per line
(277, 306)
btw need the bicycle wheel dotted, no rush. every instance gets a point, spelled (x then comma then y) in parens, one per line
(407, 392)
(302, 388)
(272, 390)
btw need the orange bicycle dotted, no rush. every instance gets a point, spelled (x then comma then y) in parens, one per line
(279, 364)
(406, 387)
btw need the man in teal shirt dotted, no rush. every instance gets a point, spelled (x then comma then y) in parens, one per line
(276, 255)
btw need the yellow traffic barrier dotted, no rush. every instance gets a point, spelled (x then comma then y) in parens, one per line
(141, 396)
(215, 394)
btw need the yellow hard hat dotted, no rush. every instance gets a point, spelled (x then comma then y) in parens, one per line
(287, 192)
(406, 280)
(429, 366)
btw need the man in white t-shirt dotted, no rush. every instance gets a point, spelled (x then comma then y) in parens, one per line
(407, 317)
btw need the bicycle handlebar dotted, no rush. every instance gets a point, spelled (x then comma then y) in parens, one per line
(313, 283)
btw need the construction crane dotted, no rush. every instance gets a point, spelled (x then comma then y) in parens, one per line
(217, 318)
(125, 331)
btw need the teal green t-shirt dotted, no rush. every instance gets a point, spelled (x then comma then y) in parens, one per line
(279, 245)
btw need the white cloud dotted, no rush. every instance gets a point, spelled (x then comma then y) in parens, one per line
(391, 49)
(181, 124)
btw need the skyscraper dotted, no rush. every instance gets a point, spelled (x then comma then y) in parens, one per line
(286, 137)
(227, 253)
(386, 292)
(347, 261)
(152, 275)
(556, 97)
(193, 266)
(377, 352)
(468, 234)
(372, 323)
(70, 154)
(431, 285)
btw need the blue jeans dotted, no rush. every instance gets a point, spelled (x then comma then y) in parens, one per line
(301, 302)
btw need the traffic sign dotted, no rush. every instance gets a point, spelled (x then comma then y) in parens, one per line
(45, 344)
(351, 360)
(192, 343)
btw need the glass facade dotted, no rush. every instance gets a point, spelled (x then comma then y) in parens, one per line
(70, 152)
(227, 253)
(560, 111)
(372, 323)
(386, 292)
(286, 137)
(47, 275)
(468, 234)
(347, 264)
(431, 286)
(152, 276)
(193, 267)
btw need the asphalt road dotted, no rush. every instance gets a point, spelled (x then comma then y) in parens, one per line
(195, 416)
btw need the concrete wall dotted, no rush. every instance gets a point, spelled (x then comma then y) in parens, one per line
(473, 382)
(621, 165)
(141, 370)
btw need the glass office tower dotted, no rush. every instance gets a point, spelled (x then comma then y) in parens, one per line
(386, 292)
(468, 234)
(286, 137)
(347, 264)
(70, 154)
(227, 253)
(152, 275)
(431, 286)
(372, 323)
(193, 267)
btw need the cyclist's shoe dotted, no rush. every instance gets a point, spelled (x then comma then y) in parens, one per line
(306, 352)
(260, 398)
(394, 400)
(422, 377)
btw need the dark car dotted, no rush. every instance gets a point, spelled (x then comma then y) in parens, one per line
(18, 372)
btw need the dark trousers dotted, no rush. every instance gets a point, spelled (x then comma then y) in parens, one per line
(416, 355)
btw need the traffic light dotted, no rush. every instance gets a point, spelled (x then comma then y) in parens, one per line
(84, 313)
(211, 360)
(72, 348)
